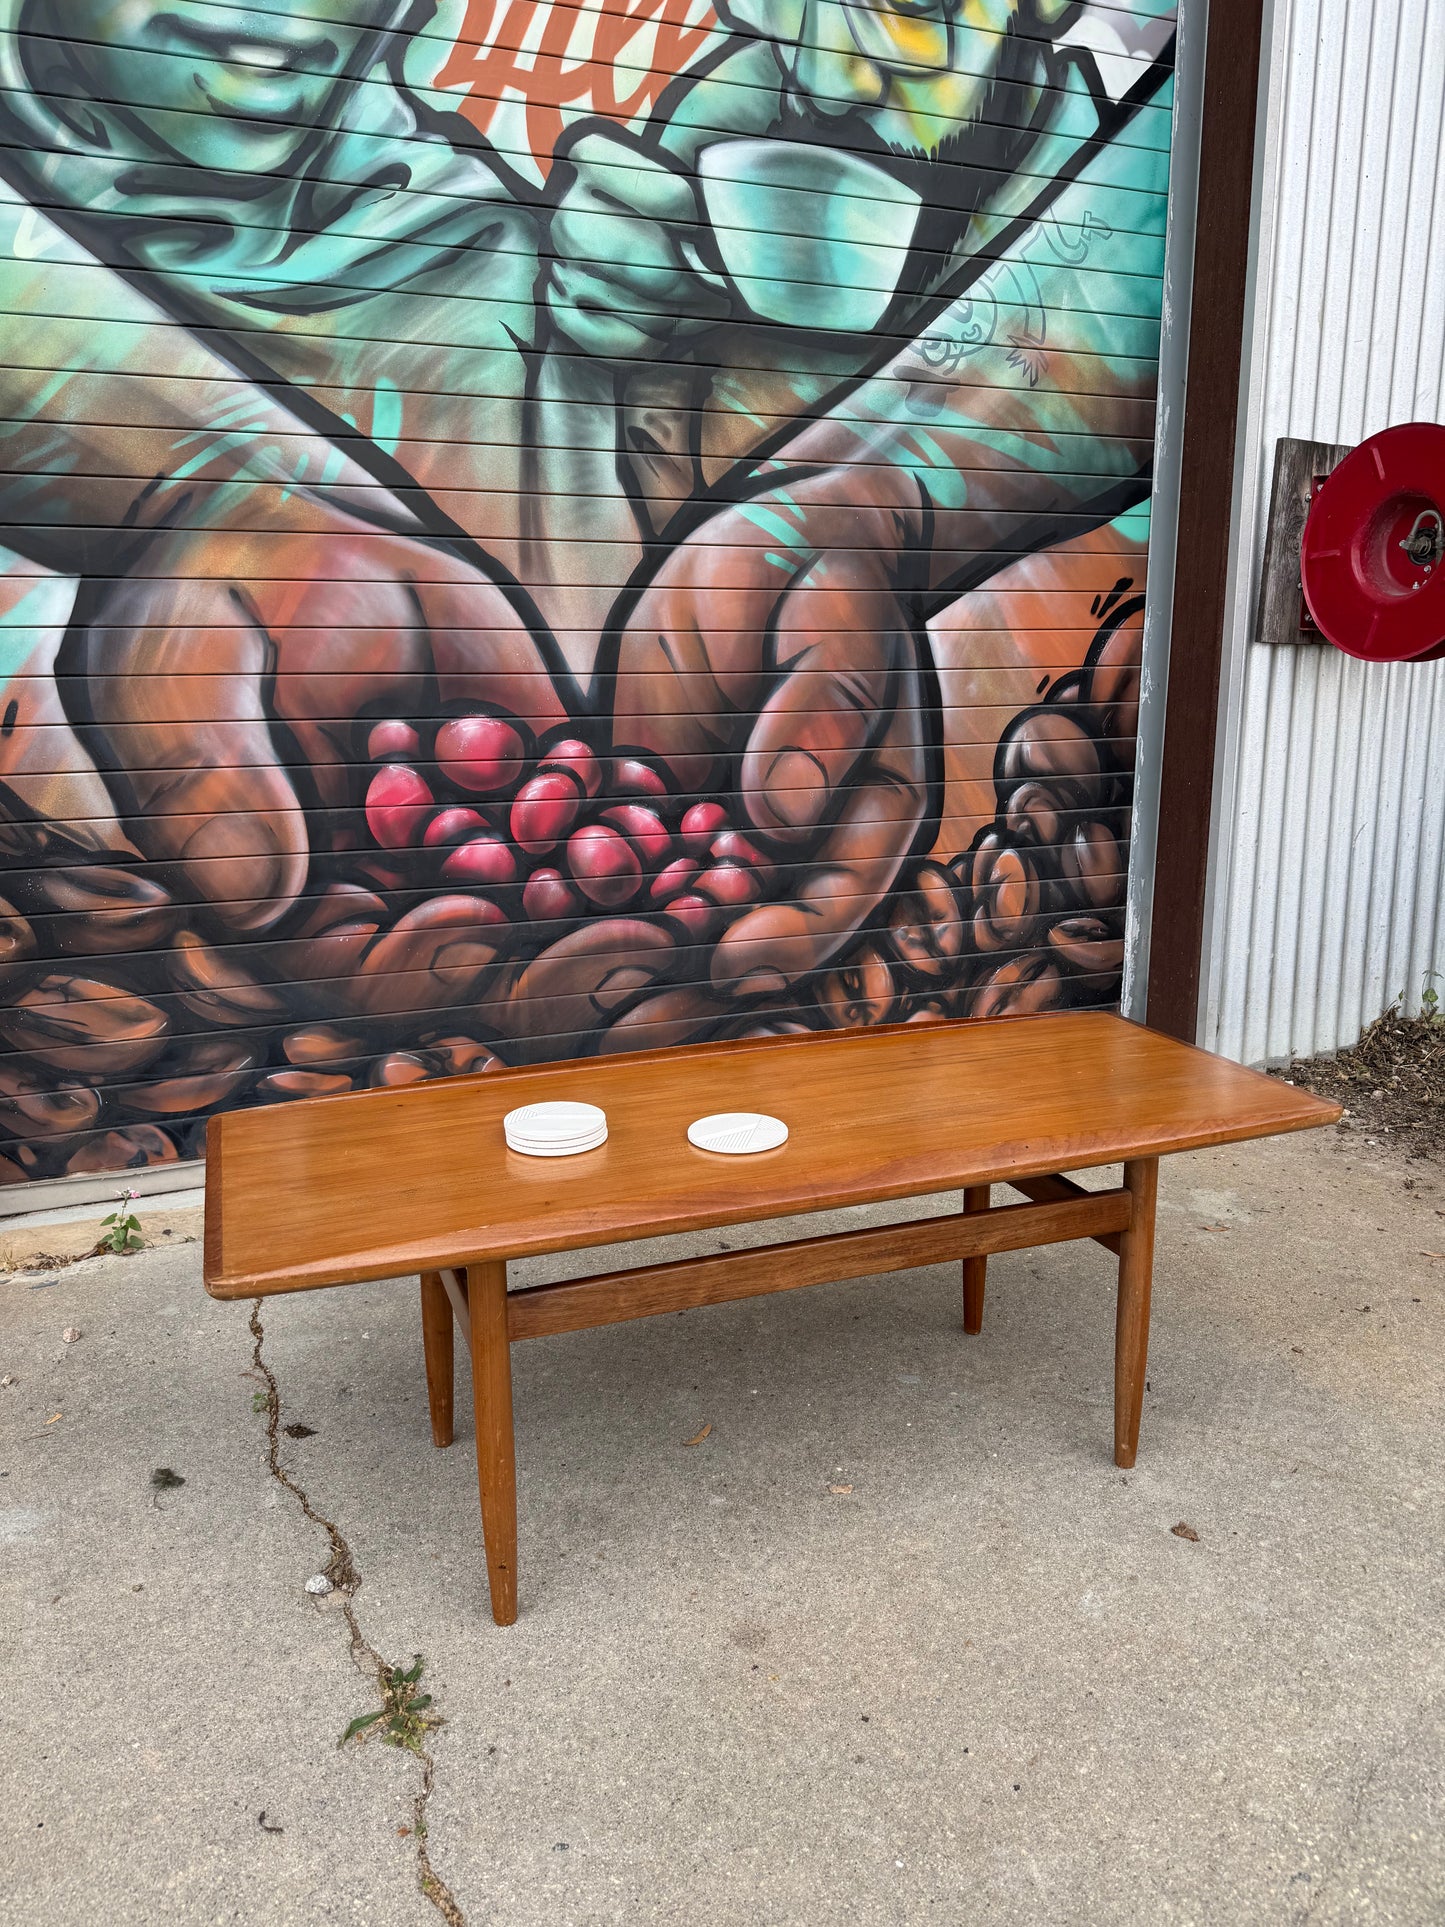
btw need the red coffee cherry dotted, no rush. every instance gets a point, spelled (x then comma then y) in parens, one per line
(397, 804)
(676, 877)
(696, 915)
(547, 897)
(545, 809)
(700, 825)
(644, 830)
(392, 738)
(481, 754)
(730, 884)
(450, 826)
(733, 847)
(577, 758)
(629, 776)
(484, 860)
(604, 865)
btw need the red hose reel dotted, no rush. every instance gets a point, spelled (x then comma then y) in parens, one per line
(1372, 560)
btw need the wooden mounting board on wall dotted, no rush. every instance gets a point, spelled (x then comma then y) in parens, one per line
(1282, 617)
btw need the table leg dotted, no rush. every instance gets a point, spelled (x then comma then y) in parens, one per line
(496, 1449)
(976, 1197)
(1131, 1326)
(436, 1339)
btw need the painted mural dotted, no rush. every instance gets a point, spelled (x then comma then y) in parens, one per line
(542, 527)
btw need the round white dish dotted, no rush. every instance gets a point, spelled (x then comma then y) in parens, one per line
(737, 1133)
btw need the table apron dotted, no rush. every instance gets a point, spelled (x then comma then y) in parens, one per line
(613, 1297)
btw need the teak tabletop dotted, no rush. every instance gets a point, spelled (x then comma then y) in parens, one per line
(387, 1182)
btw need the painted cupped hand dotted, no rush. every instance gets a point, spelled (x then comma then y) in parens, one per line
(775, 661)
(225, 679)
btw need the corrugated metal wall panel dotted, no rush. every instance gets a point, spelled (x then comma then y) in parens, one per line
(1330, 824)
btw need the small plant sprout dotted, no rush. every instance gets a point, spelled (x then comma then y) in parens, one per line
(121, 1233)
(1430, 996)
(403, 1708)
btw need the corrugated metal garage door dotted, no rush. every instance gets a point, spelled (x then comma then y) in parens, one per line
(540, 529)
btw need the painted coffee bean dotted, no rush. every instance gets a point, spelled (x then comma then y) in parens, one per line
(1005, 892)
(1048, 746)
(333, 935)
(398, 802)
(1093, 862)
(127, 1149)
(480, 754)
(461, 1056)
(484, 861)
(671, 1017)
(1114, 690)
(700, 825)
(579, 759)
(303, 1084)
(214, 986)
(105, 908)
(204, 1073)
(548, 897)
(316, 1044)
(604, 865)
(451, 826)
(1032, 812)
(860, 993)
(33, 1106)
(392, 737)
(437, 954)
(1018, 988)
(925, 925)
(545, 809)
(398, 1069)
(84, 1024)
(1088, 943)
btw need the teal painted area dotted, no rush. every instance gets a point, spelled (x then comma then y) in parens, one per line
(44, 607)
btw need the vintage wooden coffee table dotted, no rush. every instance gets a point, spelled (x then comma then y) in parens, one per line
(387, 1182)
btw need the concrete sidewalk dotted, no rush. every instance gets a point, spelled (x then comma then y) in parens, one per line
(894, 1643)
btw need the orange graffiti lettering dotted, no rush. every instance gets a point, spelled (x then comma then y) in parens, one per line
(611, 58)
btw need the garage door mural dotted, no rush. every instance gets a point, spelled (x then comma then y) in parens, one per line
(537, 529)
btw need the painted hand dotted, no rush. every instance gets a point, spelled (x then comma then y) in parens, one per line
(228, 678)
(627, 274)
(774, 664)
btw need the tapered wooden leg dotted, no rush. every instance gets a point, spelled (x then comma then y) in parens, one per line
(1131, 1325)
(436, 1339)
(975, 1270)
(496, 1449)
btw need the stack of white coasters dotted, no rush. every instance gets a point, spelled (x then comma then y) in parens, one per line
(555, 1130)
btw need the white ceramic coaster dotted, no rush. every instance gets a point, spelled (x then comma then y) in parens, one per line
(735, 1133)
(555, 1130)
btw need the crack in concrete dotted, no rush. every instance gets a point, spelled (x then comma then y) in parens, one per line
(345, 1579)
